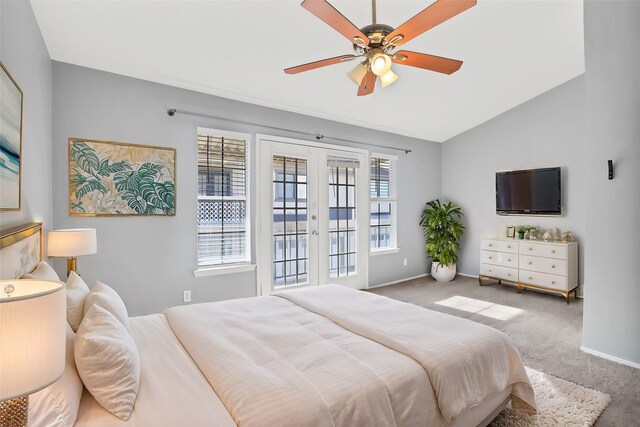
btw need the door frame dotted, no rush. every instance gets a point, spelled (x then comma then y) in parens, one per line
(264, 199)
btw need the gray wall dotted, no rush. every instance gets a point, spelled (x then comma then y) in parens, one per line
(150, 260)
(546, 131)
(611, 315)
(24, 54)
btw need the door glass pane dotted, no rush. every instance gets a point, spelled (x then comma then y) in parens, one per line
(290, 251)
(342, 221)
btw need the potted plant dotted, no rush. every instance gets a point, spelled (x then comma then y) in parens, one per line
(442, 231)
(521, 229)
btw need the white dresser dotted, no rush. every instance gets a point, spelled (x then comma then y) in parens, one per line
(547, 266)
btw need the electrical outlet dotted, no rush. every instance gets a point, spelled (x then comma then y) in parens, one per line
(405, 262)
(186, 296)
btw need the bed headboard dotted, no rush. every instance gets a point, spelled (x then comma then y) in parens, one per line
(20, 250)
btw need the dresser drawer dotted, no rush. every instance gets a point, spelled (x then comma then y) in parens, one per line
(489, 257)
(490, 245)
(543, 279)
(510, 247)
(544, 265)
(499, 272)
(499, 258)
(543, 249)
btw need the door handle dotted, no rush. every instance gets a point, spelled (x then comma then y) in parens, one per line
(313, 217)
(314, 232)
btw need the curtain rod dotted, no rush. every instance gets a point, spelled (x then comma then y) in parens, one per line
(173, 111)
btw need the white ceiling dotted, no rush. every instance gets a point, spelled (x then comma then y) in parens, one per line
(512, 50)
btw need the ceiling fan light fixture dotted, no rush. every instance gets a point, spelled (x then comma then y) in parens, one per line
(388, 78)
(358, 73)
(380, 64)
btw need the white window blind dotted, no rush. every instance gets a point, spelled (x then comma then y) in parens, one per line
(383, 202)
(223, 209)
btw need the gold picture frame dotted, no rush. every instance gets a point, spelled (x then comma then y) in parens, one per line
(11, 113)
(511, 232)
(109, 178)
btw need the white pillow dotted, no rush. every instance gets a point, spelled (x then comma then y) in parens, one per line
(77, 291)
(43, 272)
(108, 361)
(105, 297)
(57, 405)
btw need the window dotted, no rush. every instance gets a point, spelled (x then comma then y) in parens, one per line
(383, 203)
(223, 211)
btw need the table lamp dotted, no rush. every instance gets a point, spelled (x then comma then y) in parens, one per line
(72, 243)
(32, 343)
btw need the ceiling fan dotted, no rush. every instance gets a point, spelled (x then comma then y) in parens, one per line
(377, 43)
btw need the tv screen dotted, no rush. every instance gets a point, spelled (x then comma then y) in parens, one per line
(531, 192)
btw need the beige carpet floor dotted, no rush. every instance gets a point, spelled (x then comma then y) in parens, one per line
(547, 332)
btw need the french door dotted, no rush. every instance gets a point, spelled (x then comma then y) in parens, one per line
(313, 215)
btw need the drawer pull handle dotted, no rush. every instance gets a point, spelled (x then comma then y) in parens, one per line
(553, 266)
(509, 260)
(509, 274)
(490, 257)
(530, 249)
(553, 282)
(509, 246)
(530, 263)
(553, 251)
(530, 278)
(490, 245)
(490, 270)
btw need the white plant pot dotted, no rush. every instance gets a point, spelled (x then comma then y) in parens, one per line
(443, 273)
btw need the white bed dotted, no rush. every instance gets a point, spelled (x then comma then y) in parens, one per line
(327, 355)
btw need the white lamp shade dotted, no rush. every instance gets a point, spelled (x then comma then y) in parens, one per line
(380, 64)
(388, 78)
(32, 336)
(72, 242)
(358, 73)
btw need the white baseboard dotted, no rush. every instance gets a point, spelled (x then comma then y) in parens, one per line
(475, 276)
(398, 281)
(609, 357)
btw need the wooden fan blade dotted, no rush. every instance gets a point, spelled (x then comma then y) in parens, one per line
(434, 15)
(428, 62)
(367, 84)
(330, 15)
(318, 64)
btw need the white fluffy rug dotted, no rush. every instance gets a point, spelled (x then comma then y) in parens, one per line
(560, 403)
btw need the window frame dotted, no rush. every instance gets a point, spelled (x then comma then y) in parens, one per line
(246, 264)
(392, 200)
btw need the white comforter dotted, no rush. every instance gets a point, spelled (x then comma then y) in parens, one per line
(314, 357)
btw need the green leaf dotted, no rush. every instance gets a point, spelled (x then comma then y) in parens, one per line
(134, 201)
(90, 186)
(77, 179)
(84, 157)
(106, 169)
(126, 180)
(166, 193)
(77, 206)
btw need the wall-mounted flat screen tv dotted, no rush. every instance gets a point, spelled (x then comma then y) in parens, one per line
(529, 192)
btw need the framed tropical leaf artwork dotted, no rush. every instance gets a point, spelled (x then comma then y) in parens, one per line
(10, 141)
(114, 178)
